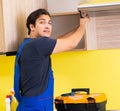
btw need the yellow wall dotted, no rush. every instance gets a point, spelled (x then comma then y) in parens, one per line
(6, 78)
(98, 70)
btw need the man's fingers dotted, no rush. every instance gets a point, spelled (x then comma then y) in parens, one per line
(83, 14)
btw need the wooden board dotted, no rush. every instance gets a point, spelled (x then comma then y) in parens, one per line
(94, 5)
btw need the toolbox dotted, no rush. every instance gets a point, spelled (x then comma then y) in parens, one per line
(80, 99)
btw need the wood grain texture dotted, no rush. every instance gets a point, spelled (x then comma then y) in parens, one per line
(2, 45)
(108, 29)
(103, 31)
(90, 36)
(14, 19)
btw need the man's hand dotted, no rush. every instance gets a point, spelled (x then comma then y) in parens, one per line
(83, 14)
(84, 18)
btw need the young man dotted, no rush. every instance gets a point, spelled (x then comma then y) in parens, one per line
(33, 80)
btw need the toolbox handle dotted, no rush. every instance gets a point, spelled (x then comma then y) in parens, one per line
(79, 90)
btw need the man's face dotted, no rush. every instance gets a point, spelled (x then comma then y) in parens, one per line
(42, 26)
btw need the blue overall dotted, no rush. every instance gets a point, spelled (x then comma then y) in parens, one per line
(43, 102)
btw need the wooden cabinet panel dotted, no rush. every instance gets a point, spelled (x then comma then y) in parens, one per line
(103, 31)
(108, 29)
(14, 20)
(2, 45)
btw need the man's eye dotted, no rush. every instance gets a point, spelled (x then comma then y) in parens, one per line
(42, 22)
(50, 23)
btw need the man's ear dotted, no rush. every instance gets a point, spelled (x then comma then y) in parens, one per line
(32, 27)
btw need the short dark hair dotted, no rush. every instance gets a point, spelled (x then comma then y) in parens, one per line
(33, 16)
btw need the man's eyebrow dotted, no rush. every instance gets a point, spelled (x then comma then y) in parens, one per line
(41, 19)
(44, 19)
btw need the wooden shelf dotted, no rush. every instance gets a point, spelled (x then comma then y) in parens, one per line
(95, 5)
(65, 13)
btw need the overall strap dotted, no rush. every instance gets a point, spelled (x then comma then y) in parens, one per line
(17, 71)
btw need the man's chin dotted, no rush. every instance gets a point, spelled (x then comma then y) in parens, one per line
(46, 35)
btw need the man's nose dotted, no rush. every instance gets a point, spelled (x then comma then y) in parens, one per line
(47, 25)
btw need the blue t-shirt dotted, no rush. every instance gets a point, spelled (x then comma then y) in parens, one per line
(35, 64)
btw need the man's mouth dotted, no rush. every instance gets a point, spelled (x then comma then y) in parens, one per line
(47, 31)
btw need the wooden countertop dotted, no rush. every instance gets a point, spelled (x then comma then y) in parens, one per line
(94, 5)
